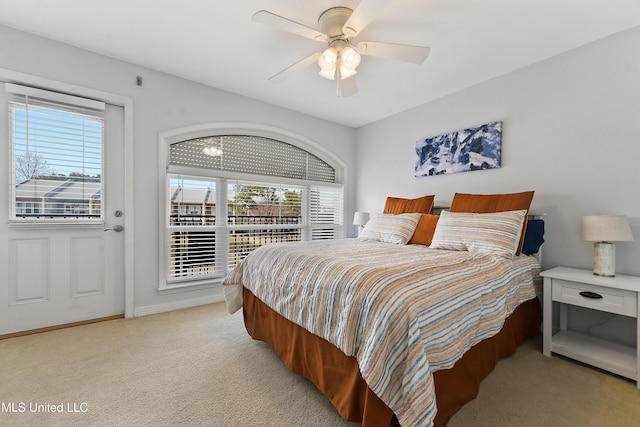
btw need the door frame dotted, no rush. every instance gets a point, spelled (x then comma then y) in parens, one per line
(126, 103)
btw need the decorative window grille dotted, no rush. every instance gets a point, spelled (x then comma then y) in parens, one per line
(252, 155)
(56, 154)
(214, 221)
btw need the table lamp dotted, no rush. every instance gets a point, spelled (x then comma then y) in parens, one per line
(603, 230)
(360, 219)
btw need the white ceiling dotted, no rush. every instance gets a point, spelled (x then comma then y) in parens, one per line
(216, 43)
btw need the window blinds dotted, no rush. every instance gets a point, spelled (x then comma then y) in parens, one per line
(325, 212)
(194, 252)
(57, 146)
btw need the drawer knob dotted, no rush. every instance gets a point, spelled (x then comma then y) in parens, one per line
(591, 295)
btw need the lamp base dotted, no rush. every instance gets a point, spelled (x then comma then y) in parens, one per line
(604, 259)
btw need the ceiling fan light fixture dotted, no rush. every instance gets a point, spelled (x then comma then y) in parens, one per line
(328, 58)
(328, 62)
(345, 73)
(350, 58)
(328, 74)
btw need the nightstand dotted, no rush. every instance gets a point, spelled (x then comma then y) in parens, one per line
(619, 295)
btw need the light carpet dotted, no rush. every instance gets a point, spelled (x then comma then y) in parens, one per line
(198, 367)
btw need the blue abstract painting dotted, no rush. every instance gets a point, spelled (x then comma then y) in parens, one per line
(471, 149)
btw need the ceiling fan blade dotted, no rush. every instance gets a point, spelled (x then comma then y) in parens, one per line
(347, 87)
(399, 52)
(277, 78)
(366, 12)
(273, 20)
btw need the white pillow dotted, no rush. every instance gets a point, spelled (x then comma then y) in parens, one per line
(391, 228)
(496, 233)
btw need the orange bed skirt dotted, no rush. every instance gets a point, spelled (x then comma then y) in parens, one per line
(337, 375)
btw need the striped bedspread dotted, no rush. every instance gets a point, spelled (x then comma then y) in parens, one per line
(403, 312)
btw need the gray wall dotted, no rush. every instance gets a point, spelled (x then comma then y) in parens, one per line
(570, 133)
(163, 103)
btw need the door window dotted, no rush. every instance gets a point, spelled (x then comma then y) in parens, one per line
(56, 143)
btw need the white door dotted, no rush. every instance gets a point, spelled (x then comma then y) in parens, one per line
(59, 274)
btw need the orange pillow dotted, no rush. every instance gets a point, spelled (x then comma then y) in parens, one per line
(397, 205)
(487, 203)
(425, 229)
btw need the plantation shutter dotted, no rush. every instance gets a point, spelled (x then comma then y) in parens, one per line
(57, 150)
(325, 211)
(192, 233)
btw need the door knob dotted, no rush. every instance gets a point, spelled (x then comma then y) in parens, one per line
(117, 228)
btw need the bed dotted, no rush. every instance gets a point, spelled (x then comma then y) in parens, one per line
(387, 326)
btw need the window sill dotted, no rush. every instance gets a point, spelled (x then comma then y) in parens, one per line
(190, 286)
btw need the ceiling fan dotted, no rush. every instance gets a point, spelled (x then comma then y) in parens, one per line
(338, 26)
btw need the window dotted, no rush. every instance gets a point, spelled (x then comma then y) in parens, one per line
(252, 192)
(56, 153)
(259, 214)
(192, 229)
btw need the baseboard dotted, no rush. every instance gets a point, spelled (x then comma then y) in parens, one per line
(63, 326)
(177, 305)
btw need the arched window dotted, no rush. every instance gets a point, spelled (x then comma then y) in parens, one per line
(227, 194)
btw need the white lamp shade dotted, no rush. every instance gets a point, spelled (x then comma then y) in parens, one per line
(328, 62)
(345, 73)
(349, 58)
(606, 228)
(361, 218)
(329, 74)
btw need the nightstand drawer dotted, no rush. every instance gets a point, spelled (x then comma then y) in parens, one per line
(601, 298)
